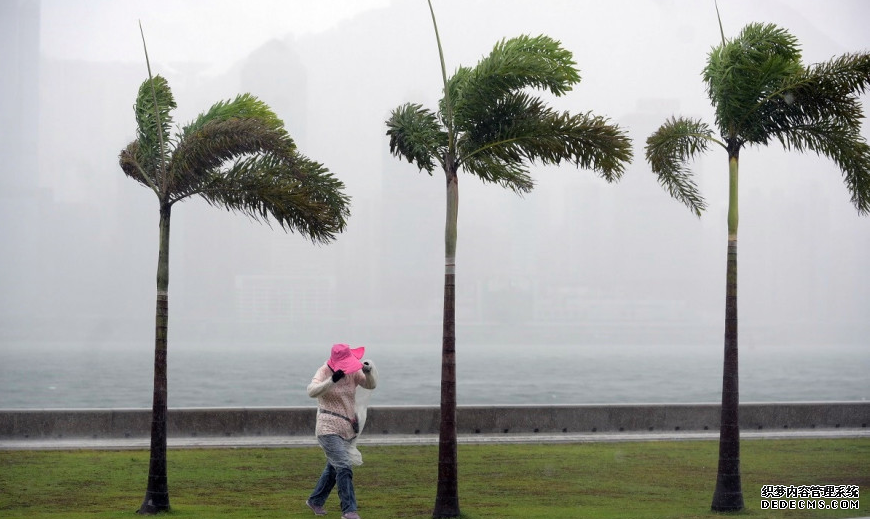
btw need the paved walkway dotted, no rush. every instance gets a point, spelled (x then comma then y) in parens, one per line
(415, 439)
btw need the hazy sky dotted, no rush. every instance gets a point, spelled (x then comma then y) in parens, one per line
(80, 254)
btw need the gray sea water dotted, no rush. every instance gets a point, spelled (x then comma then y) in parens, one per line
(119, 375)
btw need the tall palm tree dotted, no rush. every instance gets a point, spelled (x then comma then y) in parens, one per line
(237, 155)
(761, 92)
(490, 125)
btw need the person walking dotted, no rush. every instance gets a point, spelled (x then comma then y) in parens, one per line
(334, 385)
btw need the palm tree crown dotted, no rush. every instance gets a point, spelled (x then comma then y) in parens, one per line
(492, 126)
(236, 155)
(761, 92)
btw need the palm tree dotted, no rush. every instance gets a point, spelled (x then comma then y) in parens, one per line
(761, 92)
(238, 156)
(490, 125)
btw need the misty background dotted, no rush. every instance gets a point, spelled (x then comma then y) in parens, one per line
(576, 262)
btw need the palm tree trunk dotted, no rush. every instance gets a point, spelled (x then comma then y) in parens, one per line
(157, 494)
(447, 496)
(728, 495)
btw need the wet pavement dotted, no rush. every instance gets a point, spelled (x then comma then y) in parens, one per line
(207, 442)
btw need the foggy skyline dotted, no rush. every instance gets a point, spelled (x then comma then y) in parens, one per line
(575, 260)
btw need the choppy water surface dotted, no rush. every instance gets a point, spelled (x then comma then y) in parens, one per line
(120, 375)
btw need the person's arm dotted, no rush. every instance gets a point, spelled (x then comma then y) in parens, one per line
(322, 381)
(370, 375)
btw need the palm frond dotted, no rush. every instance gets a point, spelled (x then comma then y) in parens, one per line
(131, 163)
(825, 91)
(669, 148)
(149, 132)
(854, 161)
(840, 77)
(454, 89)
(244, 106)
(494, 132)
(847, 73)
(537, 62)
(842, 144)
(416, 134)
(804, 106)
(522, 128)
(819, 110)
(513, 175)
(588, 141)
(761, 40)
(205, 147)
(302, 196)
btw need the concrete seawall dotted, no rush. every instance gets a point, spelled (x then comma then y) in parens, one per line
(34, 424)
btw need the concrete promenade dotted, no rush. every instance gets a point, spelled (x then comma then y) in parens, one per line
(413, 425)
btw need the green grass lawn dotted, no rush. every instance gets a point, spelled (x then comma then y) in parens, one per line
(588, 480)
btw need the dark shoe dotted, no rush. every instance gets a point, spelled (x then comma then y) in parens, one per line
(318, 510)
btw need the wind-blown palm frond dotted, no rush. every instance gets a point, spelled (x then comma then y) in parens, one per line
(854, 161)
(526, 61)
(148, 129)
(522, 128)
(149, 132)
(132, 164)
(819, 110)
(219, 140)
(587, 141)
(847, 73)
(823, 92)
(843, 145)
(327, 190)
(416, 135)
(244, 106)
(498, 130)
(514, 64)
(668, 149)
(301, 197)
(513, 175)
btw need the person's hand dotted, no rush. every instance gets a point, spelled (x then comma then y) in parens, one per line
(367, 366)
(338, 375)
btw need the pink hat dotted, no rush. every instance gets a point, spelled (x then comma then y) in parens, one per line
(345, 358)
